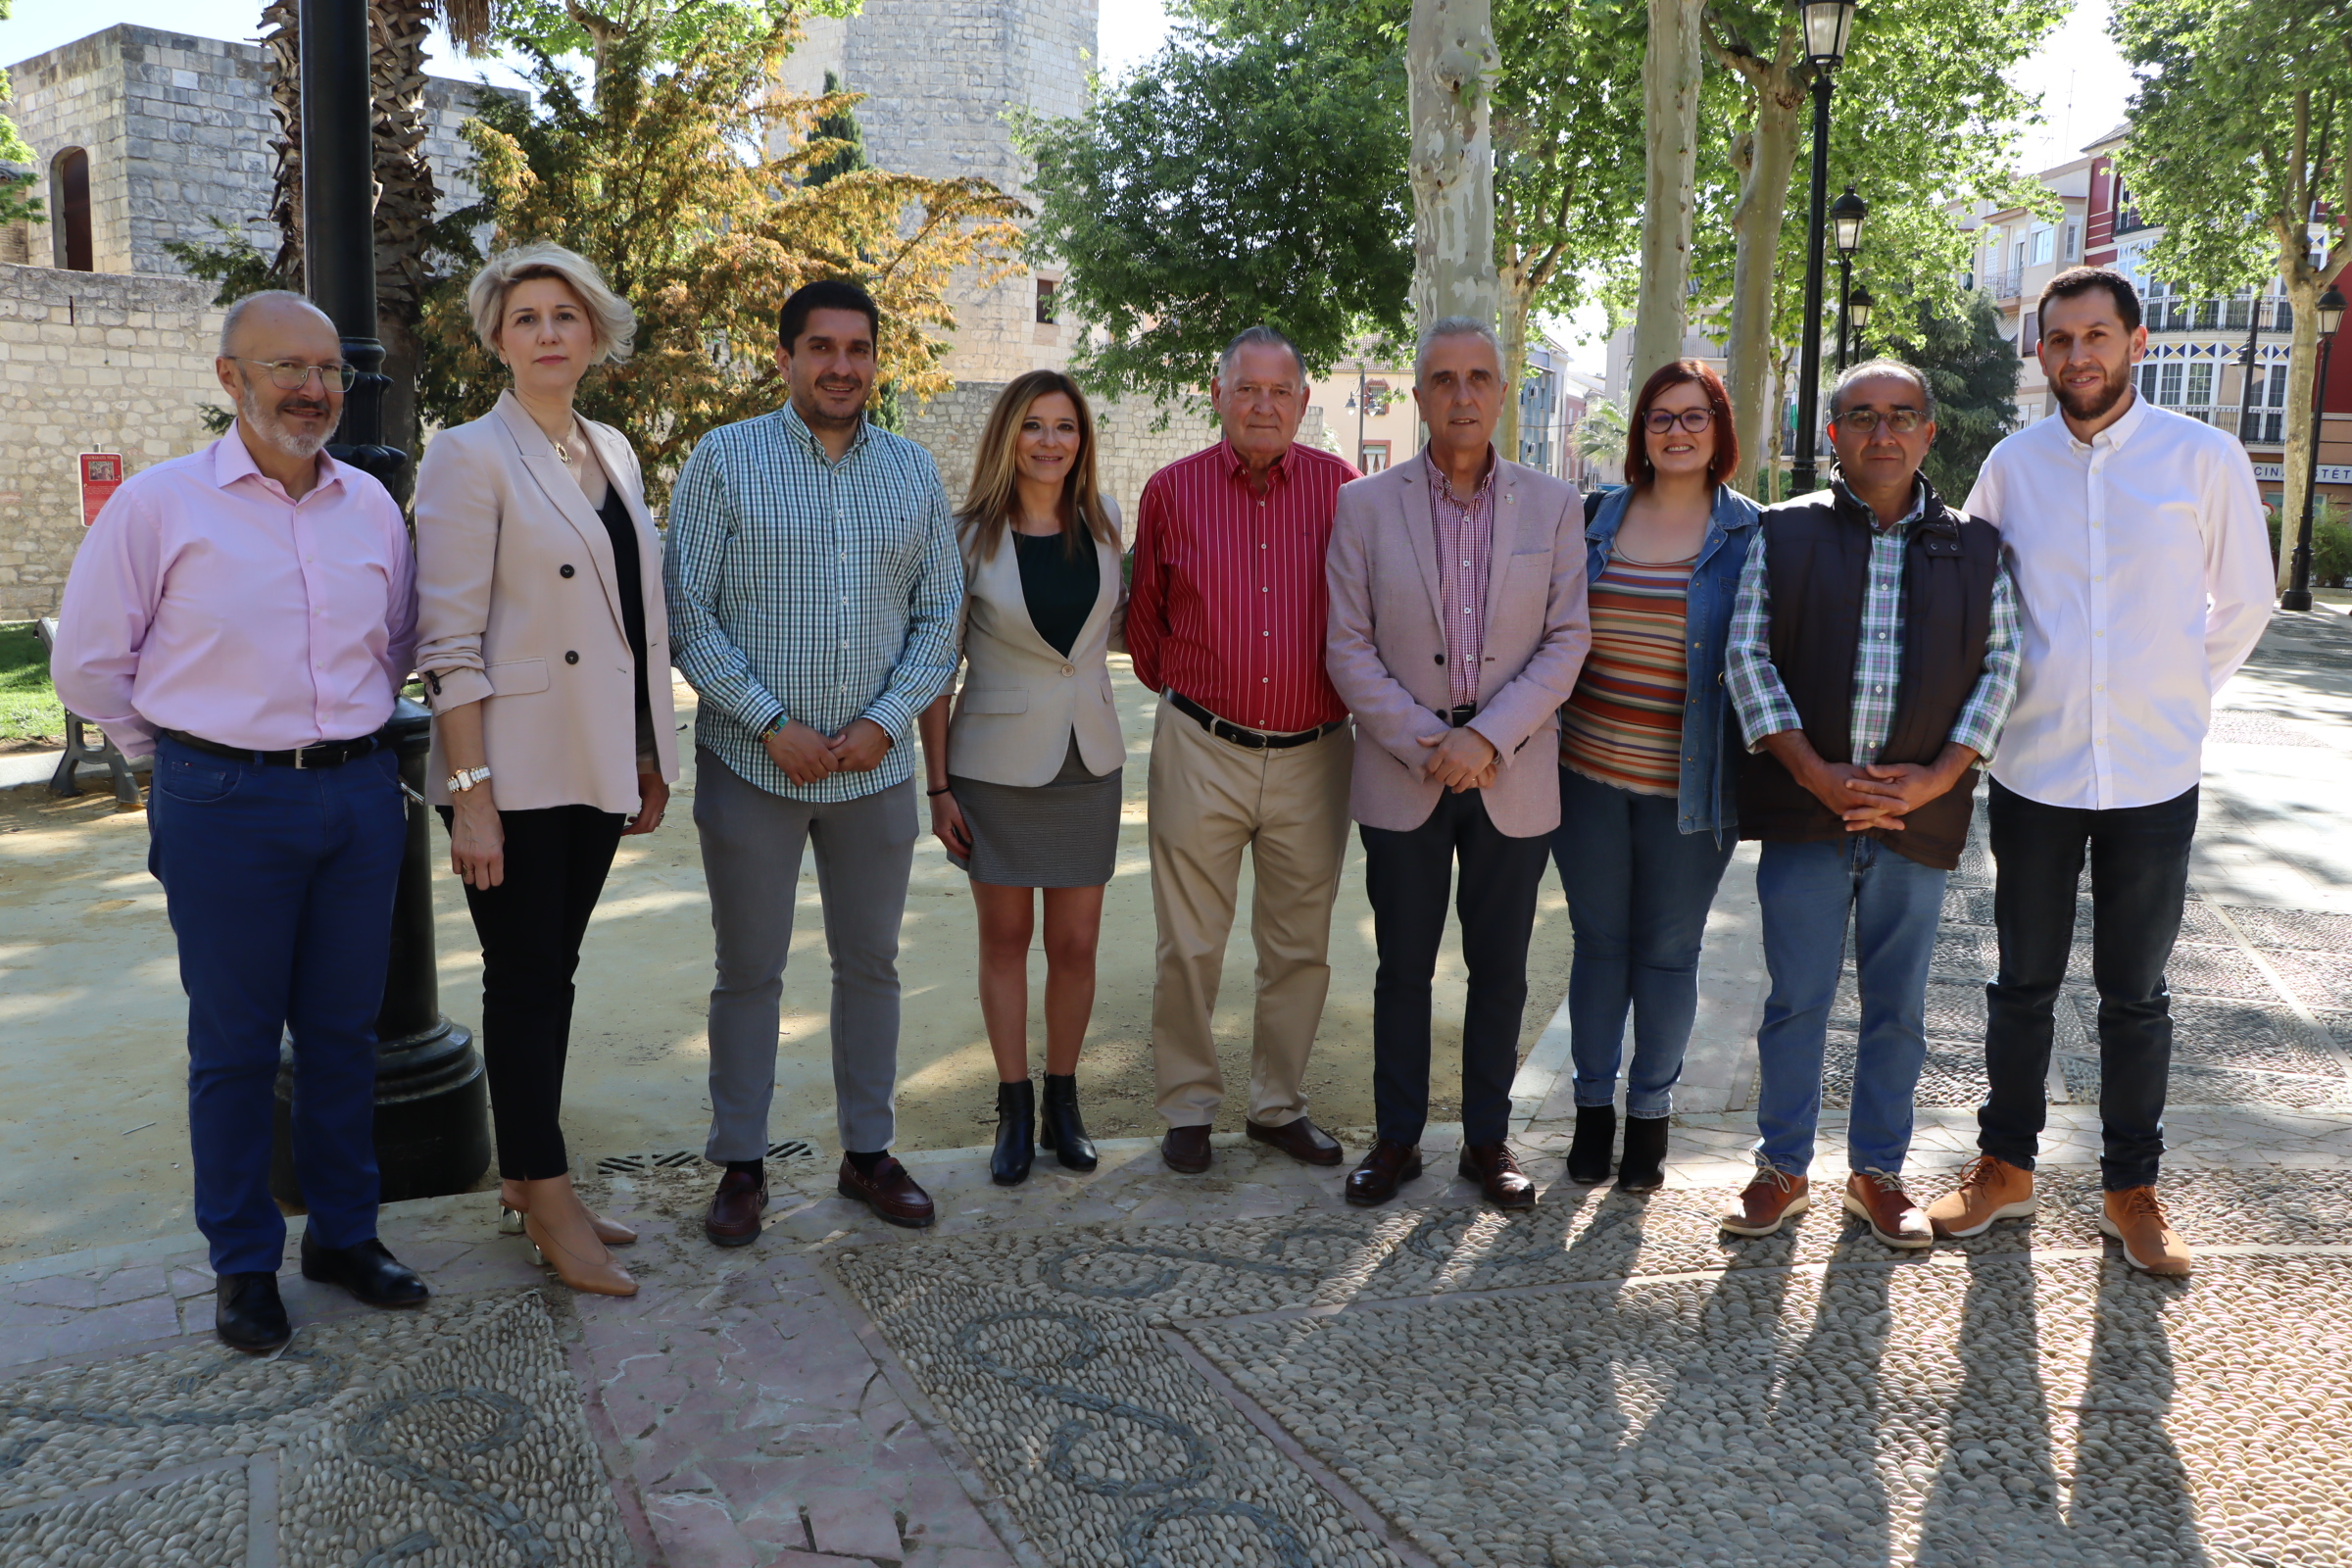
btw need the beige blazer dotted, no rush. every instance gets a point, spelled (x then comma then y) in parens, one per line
(517, 609)
(1386, 647)
(1021, 700)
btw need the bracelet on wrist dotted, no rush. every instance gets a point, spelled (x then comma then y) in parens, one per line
(941, 790)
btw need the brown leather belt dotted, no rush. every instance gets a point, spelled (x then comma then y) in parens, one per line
(1257, 740)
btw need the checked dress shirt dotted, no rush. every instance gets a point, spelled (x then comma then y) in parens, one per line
(823, 591)
(1764, 704)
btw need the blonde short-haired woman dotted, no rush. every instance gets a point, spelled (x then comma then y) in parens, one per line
(1024, 764)
(544, 645)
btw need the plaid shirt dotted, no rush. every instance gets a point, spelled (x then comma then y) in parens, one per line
(1465, 532)
(815, 590)
(1763, 703)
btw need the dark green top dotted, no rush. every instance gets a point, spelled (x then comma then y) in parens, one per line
(1061, 588)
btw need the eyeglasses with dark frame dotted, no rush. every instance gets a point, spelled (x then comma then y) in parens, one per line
(1657, 421)
(292, 375)
(1865, 422)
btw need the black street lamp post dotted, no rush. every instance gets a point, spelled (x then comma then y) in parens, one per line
(1845, 217)
(1859, 309)
(1826, 24)
(432, 1106)
(2332, 317)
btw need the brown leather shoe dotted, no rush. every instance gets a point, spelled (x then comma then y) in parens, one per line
(1387, 1165)
(1497, 1171)
(733, 1218)
(889, 1192)
(1768, 1202)
(1894, 1219)
(1991, 1190)
(2135, 1217)
(1300, 1138)
(1186, 1150)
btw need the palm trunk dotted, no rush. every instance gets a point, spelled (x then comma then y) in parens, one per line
(1670, 83)
(1450, 61)
(1779, 101)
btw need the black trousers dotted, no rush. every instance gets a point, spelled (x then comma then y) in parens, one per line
(1408, 876)
(2138, 877)
(531, 925)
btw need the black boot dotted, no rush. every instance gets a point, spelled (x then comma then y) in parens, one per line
(1017, 1134)
(1589, 1155)
(1062, 1131)
(1644, 1168)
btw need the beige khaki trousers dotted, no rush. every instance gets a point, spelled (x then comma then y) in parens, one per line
(1209, 801)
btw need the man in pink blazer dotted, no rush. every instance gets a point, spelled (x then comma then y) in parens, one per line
(1457, 628)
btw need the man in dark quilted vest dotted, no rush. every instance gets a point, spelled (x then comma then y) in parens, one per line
(1872, 661)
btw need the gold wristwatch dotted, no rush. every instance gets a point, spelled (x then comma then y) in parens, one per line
(466, 778)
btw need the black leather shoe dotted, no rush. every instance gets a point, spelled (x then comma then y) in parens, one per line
(1588, 1155)
(1386, 1167)
(247, 1314)
(367, 1271)
(1060, 1127)
(1017, 1134)
(1186, 1150)
(1300, 1138)
(1644, 1168)
(1497, 1171)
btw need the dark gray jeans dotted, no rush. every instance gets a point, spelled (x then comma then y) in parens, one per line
(752, 844)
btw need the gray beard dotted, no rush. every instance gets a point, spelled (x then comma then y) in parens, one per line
(264, 424)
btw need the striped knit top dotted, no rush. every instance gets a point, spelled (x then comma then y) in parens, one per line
(1623, 723)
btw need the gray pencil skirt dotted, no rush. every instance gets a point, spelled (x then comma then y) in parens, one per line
(1063, 833)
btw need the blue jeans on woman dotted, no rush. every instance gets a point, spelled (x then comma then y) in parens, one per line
(1639, 890)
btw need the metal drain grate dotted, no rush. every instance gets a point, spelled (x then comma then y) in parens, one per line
(640, 1164)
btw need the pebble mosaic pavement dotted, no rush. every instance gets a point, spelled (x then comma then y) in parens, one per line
(1137, 1370)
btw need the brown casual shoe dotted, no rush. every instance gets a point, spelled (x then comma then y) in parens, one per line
(1879, 1197)
(1186, 1150)
(1768, 1202)
(1497, 1171)
(2136, 1219)
(1990, 1190)
(733, 1218)
(889, 1192)
(1300, 1138)
(1386, 1167)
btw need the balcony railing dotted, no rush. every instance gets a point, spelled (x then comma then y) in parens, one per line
(2168, 313)
(2263, 427)
(2001, 285)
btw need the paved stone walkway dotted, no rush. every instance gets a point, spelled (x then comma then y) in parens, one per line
(1134, 1368)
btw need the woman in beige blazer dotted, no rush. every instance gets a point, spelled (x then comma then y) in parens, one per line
(544, 646)
(1024, 765)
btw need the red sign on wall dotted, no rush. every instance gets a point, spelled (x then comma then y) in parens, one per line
(101, 478)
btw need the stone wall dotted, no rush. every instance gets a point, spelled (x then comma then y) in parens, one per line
(89, 362)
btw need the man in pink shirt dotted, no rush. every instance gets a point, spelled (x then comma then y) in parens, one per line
(247, 614)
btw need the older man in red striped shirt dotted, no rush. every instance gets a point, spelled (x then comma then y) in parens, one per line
(1250, 749)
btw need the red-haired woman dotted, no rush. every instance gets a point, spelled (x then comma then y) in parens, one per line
(1646, 748)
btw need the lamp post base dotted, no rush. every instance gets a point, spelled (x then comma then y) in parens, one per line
(2295, 598)
(432, 1118)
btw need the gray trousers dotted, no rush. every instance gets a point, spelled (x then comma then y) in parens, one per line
(751, 843)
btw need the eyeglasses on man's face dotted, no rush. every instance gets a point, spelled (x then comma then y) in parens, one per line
(1866, 421)
(1660, 421)
(292, 375)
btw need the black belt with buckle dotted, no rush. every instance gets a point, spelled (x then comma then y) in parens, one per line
(1458, 716)
(1257, 740)
(326, 754)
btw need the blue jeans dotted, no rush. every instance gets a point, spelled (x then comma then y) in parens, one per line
(1639, 890)
(280, 885)
(1807, 891)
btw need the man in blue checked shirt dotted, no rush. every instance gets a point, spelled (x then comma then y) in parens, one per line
(813, 593)
(1873, 661)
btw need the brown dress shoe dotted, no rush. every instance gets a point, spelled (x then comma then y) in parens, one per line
(1768, 1202)
(1497, 1171)
(1894, 1219)
(1386, 1167)
(889, 1192)
(1300, 1138)
(2135, 1217)
(1186, 1150)
(733, 1218)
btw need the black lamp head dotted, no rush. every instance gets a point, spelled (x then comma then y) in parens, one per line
(1845, 221)
(1827, 23)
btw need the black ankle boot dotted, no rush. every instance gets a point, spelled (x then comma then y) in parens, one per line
(1062, 1132)
(1589, 1155)
(1644, 1168)
(1017, 1134)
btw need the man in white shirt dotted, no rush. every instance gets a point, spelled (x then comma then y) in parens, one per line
(2137, 539)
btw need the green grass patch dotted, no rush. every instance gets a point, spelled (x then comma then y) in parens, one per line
(28, 707)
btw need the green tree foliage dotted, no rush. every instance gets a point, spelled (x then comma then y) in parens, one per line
(231, 260)
(839, 126)
(14, 205)
(1228, 181)
(663, 183)
(1973, 371)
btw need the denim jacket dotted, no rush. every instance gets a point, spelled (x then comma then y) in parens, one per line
(1708, 797)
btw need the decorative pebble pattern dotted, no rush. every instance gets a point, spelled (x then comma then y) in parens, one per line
(200, 1523)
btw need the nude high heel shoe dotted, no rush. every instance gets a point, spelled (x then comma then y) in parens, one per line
(590, 1278)
(513, 1206)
